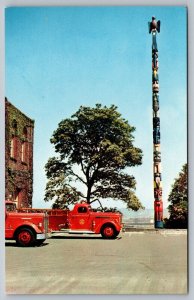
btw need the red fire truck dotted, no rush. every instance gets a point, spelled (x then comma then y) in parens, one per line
(83, 219)
(28, 229)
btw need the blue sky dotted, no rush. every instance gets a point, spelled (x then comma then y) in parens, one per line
(60, 58)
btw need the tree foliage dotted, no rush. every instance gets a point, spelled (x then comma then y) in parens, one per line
(93, 147)
(178, 199)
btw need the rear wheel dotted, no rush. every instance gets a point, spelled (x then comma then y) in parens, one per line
(25, 237)
(109, 232)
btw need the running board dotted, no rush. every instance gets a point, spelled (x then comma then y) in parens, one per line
(74, 231)
(81, 232)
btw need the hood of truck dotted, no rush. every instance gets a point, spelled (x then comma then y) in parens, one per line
(117, 216)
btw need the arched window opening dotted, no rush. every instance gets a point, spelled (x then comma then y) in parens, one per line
(17, 197)
(13, 147)
(25, 132)
(24, 148)
(14, 127)
(13, 142)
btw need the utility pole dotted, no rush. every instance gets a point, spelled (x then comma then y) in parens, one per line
(154, 27)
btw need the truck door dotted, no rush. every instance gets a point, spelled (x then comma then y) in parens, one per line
(80, 220)
(8, 226)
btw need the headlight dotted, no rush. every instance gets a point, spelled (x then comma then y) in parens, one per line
(39, 224)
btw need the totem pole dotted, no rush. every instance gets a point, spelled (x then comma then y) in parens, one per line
(154, 27)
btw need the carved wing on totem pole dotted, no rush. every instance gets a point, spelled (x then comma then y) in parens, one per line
(149, 27)
(158, 26)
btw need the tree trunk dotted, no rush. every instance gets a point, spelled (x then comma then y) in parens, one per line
(89, 194)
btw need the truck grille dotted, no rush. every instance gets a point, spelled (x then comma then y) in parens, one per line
(46, 223)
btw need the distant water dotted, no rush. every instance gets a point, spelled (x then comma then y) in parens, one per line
(147, 213)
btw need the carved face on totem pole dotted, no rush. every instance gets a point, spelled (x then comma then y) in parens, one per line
(157, 180)
(155, 87)
(157, 156)
(158, 194)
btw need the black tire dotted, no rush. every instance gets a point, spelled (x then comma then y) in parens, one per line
(25, 237)
(108, 231)
(117, 233)
(39, 242)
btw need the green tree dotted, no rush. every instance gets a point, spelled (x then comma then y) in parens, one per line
(178, 198)
(94, 148)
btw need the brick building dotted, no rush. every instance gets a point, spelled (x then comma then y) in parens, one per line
(19, 131)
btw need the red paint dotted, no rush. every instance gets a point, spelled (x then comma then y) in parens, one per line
(158, 208)
(24, 227)
(83, 219)
(108, 231)
(25, 237)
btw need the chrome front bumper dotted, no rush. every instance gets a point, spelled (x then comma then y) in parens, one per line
(43, 236)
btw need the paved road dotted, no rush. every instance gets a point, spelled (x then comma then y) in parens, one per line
(142, 262)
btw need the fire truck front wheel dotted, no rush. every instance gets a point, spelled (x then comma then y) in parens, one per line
(108, 231)
(25, 237)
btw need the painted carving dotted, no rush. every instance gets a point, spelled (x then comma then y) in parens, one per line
(155, 76)
(157, 180)
(155, 63)
(157, 156)
(156, 122)
(157, 167)
(155, 102)
(154, 43)
(155, 87)
(154, 27)
(156, 135)
(158, 194)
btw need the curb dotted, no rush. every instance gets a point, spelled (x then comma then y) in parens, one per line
(159, 230)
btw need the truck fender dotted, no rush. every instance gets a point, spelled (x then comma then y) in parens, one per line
(30, 226)
(106, 223)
